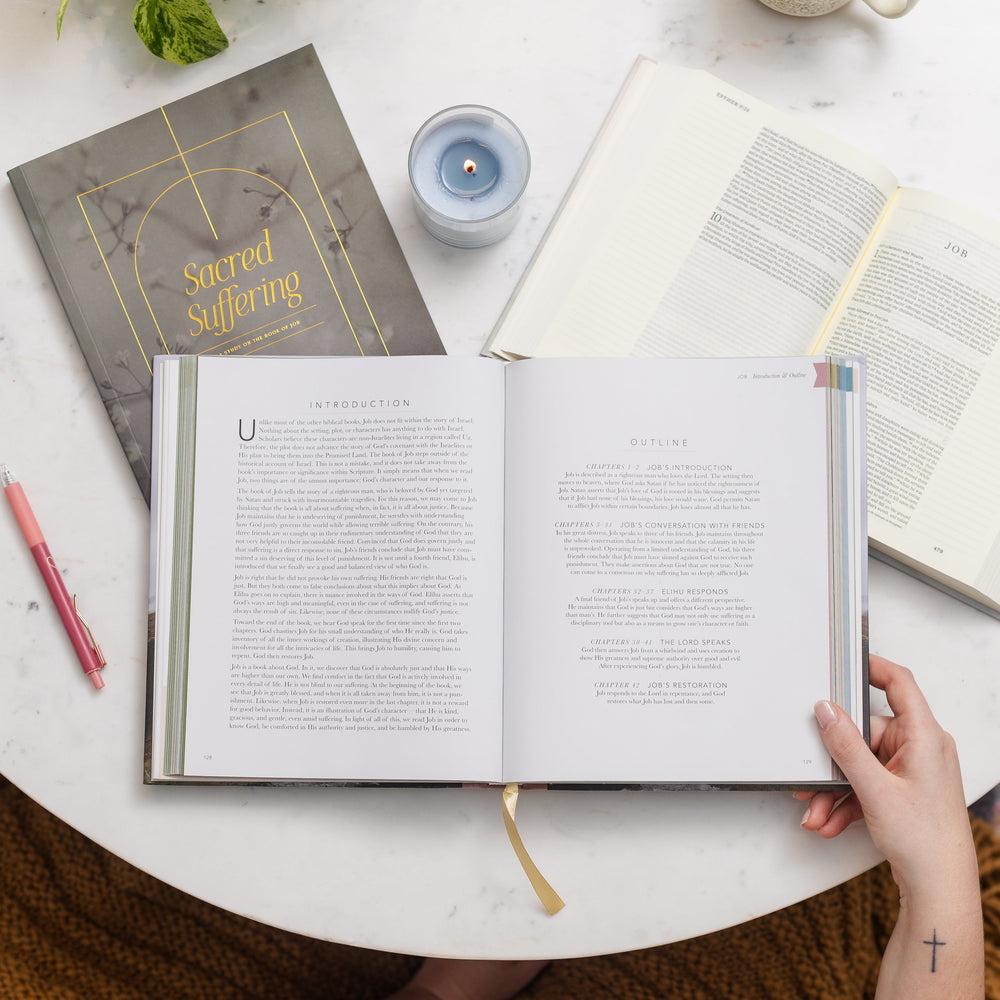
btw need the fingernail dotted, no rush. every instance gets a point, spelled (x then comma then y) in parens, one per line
(826, 714)
(805, 815)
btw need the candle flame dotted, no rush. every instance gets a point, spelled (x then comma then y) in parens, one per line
(469, 166)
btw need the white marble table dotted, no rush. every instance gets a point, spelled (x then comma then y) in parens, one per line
(431, 871)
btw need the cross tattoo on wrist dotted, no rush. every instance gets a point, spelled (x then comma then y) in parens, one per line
(935, 944)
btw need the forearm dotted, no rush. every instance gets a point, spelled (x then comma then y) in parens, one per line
(463, 979)
(936, 949)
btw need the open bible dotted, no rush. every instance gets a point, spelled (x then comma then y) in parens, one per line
(705, 223)
(448, 569)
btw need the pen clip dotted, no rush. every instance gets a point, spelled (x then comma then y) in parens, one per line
(90, 634)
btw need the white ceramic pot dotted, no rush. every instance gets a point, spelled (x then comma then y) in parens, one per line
(811, 8)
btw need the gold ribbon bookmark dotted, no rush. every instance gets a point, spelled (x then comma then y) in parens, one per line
(548, 896)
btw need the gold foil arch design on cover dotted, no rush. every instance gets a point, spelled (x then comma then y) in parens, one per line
(188, 177)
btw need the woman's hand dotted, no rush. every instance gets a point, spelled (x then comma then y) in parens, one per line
(908, 790)
(907, 787)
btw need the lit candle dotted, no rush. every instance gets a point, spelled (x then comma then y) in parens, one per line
(469, 166)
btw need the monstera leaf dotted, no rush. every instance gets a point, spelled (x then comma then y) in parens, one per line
(182, 31)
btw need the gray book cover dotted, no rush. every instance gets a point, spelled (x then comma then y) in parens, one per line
(238, 220)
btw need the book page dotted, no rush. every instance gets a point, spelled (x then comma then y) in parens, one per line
(345, 583)
(925, 310)
(667, 595)
(704, 224)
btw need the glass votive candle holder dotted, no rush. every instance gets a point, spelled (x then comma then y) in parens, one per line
(469, 166)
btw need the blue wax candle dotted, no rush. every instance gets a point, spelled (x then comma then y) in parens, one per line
(468, 168)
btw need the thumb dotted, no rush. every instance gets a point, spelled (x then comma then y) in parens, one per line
(846, 745)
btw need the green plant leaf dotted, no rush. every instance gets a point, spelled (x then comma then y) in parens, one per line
(59, 17)
(183, 31)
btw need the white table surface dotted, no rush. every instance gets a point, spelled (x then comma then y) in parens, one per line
(431, 871)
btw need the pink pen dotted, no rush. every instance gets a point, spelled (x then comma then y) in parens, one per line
(89, 653)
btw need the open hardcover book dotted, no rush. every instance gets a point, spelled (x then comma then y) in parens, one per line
(704, 223)
(447, 569)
